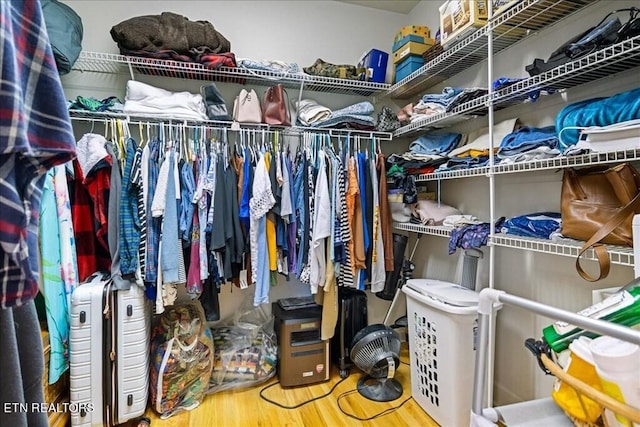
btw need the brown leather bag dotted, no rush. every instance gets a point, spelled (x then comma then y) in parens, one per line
(597, 206)
(275, 110)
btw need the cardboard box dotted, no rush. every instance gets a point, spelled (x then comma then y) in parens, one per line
(407, 66)
(375, 61)
(417, 30)
(411, 48)
(406, 39)
(459, 18)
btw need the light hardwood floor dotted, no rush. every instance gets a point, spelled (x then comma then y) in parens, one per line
(245, 408)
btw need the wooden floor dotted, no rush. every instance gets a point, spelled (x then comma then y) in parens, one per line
(245, 408)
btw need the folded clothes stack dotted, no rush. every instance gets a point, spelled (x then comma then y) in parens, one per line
(356, 116)
(145, 99)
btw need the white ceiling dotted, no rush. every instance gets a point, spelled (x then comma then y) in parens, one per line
(399, 6)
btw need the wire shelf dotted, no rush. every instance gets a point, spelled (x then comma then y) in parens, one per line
(453, 174)
(560, 162)
(570, 161)
(466, 111)
(508, 27)
(98, 62)
(620, 255)
(433, 230)
(81, 115)
(603, 63)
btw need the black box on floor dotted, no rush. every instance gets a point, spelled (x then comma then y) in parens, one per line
(303, 358)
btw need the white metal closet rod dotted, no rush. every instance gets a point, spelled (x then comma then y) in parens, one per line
(488, 297)
(492, 202)
(383, 136)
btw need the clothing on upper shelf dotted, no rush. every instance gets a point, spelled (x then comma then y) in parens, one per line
(527, 143)
(541, 225)
(145, 99)
(358, 115)
(431, 212)
(325, 69)
(471, 235)
(503, 82)
(618, 108)
(272, 65)
(110, 103)
(169, 31)
(438, 144)
(310, 112)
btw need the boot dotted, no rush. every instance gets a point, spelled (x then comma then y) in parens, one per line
(393, 277)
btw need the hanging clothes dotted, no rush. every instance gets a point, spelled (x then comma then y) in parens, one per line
(113, 219)
(68, 260)
(55, 298)
(154, 223)
(321, 227)
(385, 213)
(129, 226)
(261, 201)
(377, 276)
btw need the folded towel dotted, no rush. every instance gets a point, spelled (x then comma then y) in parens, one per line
(145, 99)
(431, 212)
(309, 111)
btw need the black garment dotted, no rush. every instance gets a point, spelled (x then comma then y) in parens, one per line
(236, 243)
(22, 361)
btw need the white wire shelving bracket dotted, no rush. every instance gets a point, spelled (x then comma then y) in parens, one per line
(99, 62)
(509, 27)
(81, 115)
(620, 255)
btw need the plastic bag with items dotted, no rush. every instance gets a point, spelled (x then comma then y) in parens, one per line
(181, 359)
(245, 351)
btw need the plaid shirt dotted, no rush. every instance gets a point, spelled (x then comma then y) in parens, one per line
(35, 135)
(129, 219)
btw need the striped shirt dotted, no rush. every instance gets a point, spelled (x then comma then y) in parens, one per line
(35, 135)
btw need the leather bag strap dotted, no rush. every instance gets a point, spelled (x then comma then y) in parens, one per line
(600, 250)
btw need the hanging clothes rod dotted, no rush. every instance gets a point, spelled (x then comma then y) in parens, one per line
(219, 125)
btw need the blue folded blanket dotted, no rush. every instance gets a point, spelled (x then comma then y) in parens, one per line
(435, 143)
(528, 138)
(539, 225)
(596, 112)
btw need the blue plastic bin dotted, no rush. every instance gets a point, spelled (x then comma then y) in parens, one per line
(407, 66)
(376, 61)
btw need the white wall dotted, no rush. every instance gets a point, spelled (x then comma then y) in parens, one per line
(546, 278)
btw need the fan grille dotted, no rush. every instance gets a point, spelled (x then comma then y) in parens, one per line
(370, 353)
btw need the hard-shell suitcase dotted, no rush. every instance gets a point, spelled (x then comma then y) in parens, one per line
(109, 353)
(352, 316)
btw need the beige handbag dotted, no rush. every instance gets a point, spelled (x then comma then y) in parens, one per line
(246, 107)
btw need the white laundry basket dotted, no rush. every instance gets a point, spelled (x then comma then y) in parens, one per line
(442, 320)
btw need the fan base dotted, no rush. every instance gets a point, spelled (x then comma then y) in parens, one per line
(379, 389)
